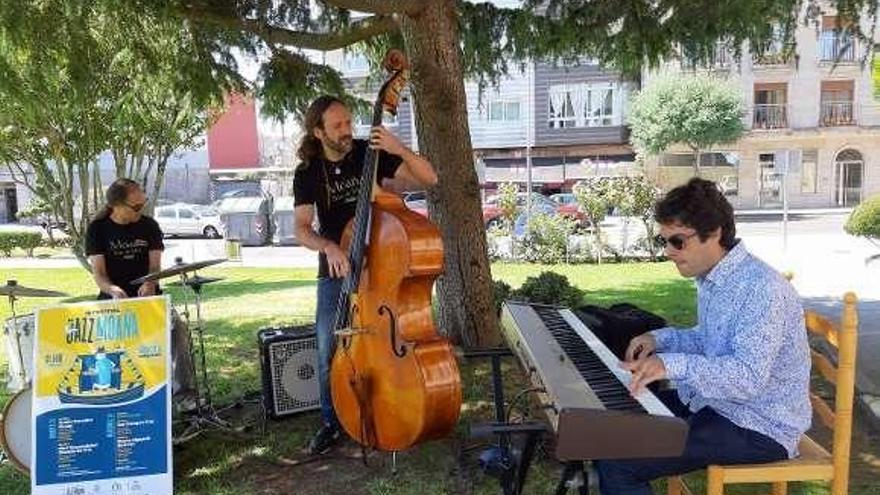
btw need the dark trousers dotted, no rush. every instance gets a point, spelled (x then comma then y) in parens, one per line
(712, 439)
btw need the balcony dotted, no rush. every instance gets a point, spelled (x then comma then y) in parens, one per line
(836, 113)
(770, 116)
(776, 55)
(835, 46)
(719, 59)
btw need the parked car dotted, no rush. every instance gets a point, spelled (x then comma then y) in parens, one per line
(492, 212)
(181, 219)
(563, 198)
(540, 208)
(569, 207)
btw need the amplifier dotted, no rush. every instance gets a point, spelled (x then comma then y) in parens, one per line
(289, 362)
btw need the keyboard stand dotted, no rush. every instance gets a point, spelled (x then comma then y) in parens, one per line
(569, 479)
(508, 463)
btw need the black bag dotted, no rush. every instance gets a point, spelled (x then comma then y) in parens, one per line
(616, 325)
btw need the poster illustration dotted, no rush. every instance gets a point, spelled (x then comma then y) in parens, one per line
(101, 421)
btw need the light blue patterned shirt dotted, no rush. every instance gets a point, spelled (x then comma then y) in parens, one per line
(748, 357)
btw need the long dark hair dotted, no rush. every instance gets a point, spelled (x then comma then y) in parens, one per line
(310, 147)
(116, 195)
(700, 205)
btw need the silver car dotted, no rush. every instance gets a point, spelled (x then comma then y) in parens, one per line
(181, 219)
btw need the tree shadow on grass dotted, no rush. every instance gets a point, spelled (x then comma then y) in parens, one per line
(236, 288)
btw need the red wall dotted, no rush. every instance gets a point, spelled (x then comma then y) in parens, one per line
(232, 140)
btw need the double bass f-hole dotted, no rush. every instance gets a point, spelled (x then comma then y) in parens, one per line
(398, 351)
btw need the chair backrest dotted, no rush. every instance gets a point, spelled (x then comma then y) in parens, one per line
(842, 336)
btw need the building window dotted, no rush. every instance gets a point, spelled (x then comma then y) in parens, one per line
(836, 43)
(718, 56)
(771, 102)
(770, 180)
(504, 111)
(809, 171)
(355, 62)
(583, 105)
(365, 119)
(709, 159)
(836, 105)
(778, 50)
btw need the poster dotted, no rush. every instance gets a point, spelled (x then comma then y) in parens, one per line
(101, 421)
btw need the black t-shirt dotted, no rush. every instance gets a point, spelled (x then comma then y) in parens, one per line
(333, 188)
(126, 249)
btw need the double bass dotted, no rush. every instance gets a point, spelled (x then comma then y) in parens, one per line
(394, 379)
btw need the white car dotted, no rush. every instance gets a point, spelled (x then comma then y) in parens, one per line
(183, 219)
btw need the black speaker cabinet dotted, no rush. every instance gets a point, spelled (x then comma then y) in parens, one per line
(289, 362)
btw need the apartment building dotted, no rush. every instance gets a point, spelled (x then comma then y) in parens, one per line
(566, 122)
(813, 123)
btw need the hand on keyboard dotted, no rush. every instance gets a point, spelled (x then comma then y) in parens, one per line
(644, 371)
(641, 346)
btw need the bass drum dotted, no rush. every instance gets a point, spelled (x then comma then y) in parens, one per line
(15, 435)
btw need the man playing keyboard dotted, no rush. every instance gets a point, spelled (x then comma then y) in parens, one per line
(742, 373)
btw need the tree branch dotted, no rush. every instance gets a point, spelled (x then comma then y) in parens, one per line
(357, 31)
(407, 7)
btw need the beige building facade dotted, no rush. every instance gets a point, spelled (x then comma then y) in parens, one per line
(812, 120)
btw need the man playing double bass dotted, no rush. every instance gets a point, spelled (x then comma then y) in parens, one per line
(327, 182)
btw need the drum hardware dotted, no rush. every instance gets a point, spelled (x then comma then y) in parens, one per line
(204, 415)
(15, 432)
(13, 291)
(196, 280)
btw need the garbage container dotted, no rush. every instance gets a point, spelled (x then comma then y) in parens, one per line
(282, 218)
(247, 220)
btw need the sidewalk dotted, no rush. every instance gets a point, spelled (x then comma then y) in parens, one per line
(791, 211)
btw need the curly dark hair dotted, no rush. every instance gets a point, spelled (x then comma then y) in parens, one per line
(700, 205)
(310, 146)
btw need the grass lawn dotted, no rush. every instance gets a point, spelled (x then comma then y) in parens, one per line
(250, 299)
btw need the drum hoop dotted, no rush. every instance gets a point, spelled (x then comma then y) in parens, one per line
(4, 443)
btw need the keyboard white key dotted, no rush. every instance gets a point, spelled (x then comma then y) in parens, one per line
(647, 398)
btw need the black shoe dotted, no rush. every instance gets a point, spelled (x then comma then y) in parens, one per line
(324, 440)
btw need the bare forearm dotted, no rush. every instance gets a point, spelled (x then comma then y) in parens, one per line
(103, 282)
(419, 168)
(310, 239)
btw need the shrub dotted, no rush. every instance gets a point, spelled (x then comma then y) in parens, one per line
(17, 239)
(550, 288)
(502, 292)
(864, 221)
(546, 238)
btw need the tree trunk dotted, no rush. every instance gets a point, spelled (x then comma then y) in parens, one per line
(696, 162)
(467, 312)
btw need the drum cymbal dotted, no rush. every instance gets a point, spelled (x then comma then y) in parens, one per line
(177, 270)
(12, 288)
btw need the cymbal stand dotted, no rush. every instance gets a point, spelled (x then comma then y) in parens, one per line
(22, 375)
(205, 416)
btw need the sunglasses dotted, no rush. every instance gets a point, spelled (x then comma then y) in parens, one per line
(677, 241)
(136, 207)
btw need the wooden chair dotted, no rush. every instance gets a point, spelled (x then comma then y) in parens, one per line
(814, 462)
